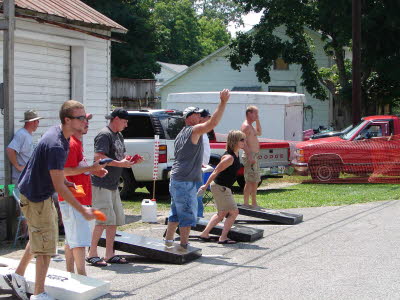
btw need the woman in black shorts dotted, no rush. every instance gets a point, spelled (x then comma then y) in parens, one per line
(221, 181)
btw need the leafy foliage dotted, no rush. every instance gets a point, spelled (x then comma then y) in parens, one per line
(136, 56)
(224, 10)
(380, 45)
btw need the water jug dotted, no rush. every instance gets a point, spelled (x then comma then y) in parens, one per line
(149, 210)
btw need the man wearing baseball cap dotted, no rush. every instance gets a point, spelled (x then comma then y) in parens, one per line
(21, 147)
(186, 170)
(109, 143)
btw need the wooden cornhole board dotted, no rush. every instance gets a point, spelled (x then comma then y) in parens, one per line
(271, 215)
(152, 248)
(59, 284)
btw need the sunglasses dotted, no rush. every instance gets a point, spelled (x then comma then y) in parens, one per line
(242, 140)
(80, 118)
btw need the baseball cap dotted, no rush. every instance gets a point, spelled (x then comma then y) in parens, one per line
(118, 112)
(188, 111)
(204, 113)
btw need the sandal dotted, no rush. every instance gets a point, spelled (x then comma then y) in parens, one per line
(96, 261)
(207, 239)
(227, 241)
(116, 259)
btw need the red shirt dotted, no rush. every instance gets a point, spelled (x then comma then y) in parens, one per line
(75, 158)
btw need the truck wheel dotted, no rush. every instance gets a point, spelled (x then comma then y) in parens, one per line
(162, 188)
(241, 182)
(324, 172)
(127, 184)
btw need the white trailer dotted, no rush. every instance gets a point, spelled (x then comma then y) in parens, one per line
(281, 114)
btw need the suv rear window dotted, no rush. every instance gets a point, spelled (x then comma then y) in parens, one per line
(139, 127)
(172, 125)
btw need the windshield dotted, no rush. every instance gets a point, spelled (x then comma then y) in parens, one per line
(172, 125)
(348, 135)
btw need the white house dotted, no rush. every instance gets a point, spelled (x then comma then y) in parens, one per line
(62, 51)
(214, 73)
(167, 72)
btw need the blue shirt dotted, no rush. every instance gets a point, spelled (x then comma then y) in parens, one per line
(50, 154)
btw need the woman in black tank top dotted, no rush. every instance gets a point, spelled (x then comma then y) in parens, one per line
(221, 180)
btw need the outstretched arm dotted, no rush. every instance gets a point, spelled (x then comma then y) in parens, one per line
(200, 129)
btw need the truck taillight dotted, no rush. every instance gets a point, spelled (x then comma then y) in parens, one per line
(162, 156)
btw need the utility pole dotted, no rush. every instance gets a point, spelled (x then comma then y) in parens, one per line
(8, 26)
(356, 73)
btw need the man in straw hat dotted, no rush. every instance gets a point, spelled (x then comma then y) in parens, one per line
(21, 147)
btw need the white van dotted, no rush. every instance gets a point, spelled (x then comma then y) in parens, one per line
(281, 114)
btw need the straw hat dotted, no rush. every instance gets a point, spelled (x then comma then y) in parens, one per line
(31, 115)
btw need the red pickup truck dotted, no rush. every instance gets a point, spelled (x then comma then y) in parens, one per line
(273, 157)
(371, 147)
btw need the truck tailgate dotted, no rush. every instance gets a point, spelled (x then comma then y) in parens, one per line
(273, 154)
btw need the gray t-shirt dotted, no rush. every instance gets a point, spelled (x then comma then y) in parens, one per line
(112, 145)
(188, 157)
(22, 143)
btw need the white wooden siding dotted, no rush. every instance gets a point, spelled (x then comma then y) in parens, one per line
(43, 73)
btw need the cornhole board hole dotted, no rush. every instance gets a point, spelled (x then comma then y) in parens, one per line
(270, 214)
(152, 248)
(237, 233)
(59, 284)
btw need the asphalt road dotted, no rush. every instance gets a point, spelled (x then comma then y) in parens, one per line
(346, 252)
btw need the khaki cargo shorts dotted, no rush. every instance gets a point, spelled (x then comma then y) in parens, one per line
(108, 202)
(251, 171)
(42, 221)
(223, 197)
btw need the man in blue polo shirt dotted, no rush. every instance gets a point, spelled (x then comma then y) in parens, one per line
(42, 176)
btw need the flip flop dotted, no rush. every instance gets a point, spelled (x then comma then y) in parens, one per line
(96, 261)
(116, 259)
(227, 241)
(205, 239)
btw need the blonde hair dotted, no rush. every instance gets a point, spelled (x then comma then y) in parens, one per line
(251, 108)
(234, 136)
(67, 108)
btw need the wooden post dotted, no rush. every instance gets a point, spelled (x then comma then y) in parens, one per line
(356, 72)
(8, 78)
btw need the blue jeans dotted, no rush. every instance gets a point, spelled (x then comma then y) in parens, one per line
(200, 206)
(183, 203)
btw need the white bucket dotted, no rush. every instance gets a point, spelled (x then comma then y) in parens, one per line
(149, 211)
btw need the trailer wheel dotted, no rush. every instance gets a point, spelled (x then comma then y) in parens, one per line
(127, 184)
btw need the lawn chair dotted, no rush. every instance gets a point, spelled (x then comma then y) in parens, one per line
(207, 197)
(20, 218)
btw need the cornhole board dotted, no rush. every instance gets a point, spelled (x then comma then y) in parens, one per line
(270, 214)
(59, 284)
(152, 248)
(237, 233)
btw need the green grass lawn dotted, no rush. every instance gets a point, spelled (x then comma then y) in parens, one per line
(299, 195)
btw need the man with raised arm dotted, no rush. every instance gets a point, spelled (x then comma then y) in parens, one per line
(186, 170)
(250, 155)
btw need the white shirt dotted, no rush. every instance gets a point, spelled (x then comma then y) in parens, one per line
(207, 150)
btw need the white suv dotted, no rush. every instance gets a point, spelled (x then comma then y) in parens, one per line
(143, 125)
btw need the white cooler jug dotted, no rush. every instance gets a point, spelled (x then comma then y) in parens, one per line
(149, 211)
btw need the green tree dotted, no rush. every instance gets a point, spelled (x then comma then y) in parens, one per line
(225, 10)
(136, 56)
(332, 20)
(183, 37)
(213, 35)
(177, 32)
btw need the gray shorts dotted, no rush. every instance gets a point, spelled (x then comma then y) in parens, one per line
(110, 204)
